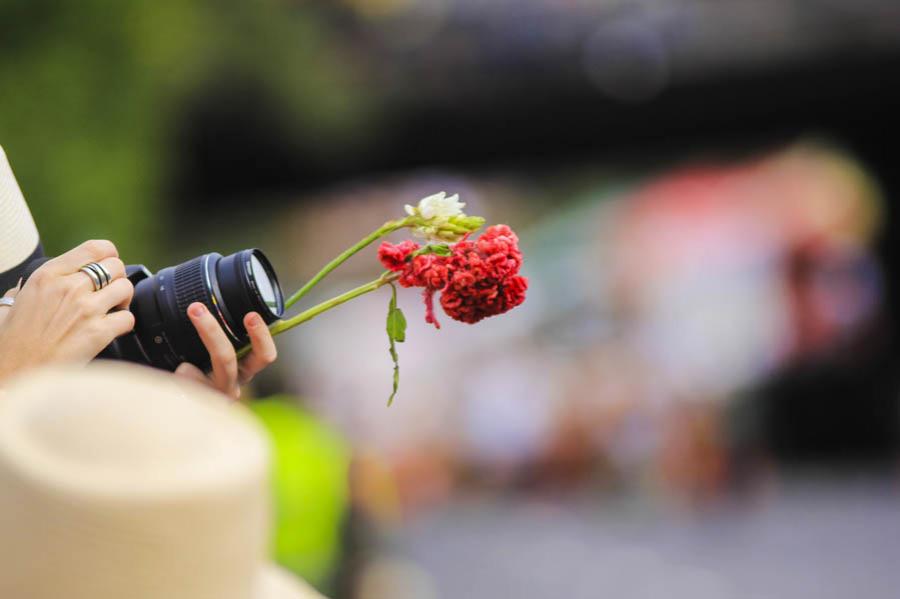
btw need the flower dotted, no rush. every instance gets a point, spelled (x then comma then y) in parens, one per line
(437, 206)
(440, 218)
(393, 257)
(477, 280)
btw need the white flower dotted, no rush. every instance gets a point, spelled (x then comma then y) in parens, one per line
(438, 208)
(441, 219)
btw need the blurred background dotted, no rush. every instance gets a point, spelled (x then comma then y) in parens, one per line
(699, 397)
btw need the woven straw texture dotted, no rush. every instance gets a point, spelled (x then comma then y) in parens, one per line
(119, 482)
(18, 234)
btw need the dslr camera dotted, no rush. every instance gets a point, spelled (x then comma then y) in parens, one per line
(163, 336)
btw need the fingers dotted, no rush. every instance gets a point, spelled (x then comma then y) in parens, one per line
(188, 370)
(114, 266)
(100, 332)
(4, 313)
(264, 350)
(117, 295)
(115, 324)
(222, 355)
(95, 250)
(226, 373)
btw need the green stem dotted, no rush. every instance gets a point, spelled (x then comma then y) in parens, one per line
(284, 325)
(385, 229)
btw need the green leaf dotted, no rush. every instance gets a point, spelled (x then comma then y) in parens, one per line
(396, 325)
(396, 332)
(441, 249)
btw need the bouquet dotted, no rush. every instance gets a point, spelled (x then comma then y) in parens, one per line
(476, 278)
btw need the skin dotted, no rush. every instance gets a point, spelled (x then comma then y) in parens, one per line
(229, 373)
(59, 318)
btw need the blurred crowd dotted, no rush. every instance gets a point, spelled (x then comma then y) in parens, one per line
(664, 308)
(657, 303)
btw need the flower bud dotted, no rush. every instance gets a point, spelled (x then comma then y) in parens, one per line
(440, 218)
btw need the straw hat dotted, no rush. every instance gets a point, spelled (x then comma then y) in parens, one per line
(119, 482)
(18, 234)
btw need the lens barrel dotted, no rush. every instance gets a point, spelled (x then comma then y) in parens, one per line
(229, 286)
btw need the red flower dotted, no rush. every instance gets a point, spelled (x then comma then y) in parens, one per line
(393, 257)
(479, 279)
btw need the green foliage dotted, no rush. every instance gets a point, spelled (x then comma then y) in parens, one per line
(440, 249)
(310, 470)
(396, 332)
(90, 92)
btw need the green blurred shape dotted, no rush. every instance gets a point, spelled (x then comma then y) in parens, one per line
(309, 480)
(92, 93)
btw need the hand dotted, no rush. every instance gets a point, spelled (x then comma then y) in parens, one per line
(58, 317)
(228, 374)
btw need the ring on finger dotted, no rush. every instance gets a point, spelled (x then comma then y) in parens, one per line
(98, 274)
(9, 302)
(104, 271)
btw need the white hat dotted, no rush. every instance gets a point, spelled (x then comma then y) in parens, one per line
(18, 234)
(120, 482)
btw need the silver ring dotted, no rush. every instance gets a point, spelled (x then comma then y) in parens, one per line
(9, 302)
(103, 272)
(93, 275)
(101, 276)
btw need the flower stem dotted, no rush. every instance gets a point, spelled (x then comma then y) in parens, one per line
(284, 325)
(385, 229)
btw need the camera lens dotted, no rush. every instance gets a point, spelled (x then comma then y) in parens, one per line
(229, 286)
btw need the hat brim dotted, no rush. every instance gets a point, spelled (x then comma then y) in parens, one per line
(18, 234)
(275, 583)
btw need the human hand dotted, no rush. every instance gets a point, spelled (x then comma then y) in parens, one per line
(229, 373)
(57, 315)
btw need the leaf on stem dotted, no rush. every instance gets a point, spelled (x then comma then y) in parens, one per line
(441, 249)
(396, 331)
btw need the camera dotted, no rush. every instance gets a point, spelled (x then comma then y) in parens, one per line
(163, 336)
(229, 286)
